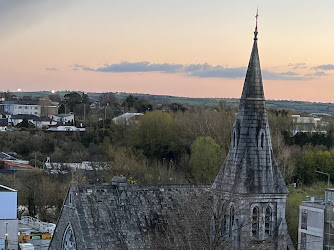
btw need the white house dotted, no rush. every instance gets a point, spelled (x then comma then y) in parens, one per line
(63, 118)
(39, 122)
(8, 218)
(66, 128)
(308, 124)
(21, 107)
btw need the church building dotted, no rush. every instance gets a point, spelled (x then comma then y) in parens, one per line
(243, 209)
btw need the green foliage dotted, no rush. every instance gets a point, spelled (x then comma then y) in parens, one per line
(315, 160)
(205, 160)
(156, 135)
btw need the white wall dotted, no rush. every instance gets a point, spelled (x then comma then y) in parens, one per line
(8, 205)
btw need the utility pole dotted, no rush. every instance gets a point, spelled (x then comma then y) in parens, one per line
(84, 111)
(6, 235)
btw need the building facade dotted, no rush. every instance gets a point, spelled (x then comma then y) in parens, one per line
(8, 218)
(311, 225)
(21, 107)
(243, 209)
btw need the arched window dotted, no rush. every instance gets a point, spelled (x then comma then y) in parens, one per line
(68, 242)
(262, 139)
(255, 222)
(231, 221)
(269, 221)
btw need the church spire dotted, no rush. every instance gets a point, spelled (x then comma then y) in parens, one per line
(250, 166)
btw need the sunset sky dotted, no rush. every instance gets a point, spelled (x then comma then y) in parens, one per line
(176, 47)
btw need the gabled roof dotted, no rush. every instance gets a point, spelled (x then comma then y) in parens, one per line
(22, 116)
(6, 189)
(250, 166)
(64, 115)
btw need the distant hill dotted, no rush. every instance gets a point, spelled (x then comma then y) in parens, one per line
(298, 106)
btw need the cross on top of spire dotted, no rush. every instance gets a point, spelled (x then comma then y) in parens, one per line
(256, 16)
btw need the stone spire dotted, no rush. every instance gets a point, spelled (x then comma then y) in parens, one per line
(250, 166)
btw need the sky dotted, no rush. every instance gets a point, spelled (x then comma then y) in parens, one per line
(177, 47)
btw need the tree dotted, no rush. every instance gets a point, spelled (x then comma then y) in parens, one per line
(25, 124)
(205, 160)
(129, 102)
(157, 135)
(72, 99)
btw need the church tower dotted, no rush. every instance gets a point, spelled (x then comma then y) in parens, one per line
(250, 179)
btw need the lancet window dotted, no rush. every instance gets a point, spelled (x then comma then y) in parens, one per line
(255, 222)
(269, 222)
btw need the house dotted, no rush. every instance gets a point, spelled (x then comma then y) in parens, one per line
(9, 167)
(63, 118)
(8, 218)
(308, 124)
(10, 164)
(126, 118)
(243, 208)
(66, 129)
(38, 122)
(20, 107)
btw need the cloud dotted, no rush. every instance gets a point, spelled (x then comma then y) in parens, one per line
(18, 15)
(318, 73)
(196, 70)
(298, 65)
(268, 75)
(51, 69)
(324, 67)
(289, 73)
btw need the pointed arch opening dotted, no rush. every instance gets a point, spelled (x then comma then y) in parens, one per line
(255, 222)
(68, 241)
(262, 140)
(234, 139)
(269, 222)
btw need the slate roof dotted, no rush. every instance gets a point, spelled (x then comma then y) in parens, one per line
(250, 166)
(20, 102)
(22, 116)
(136, 216)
